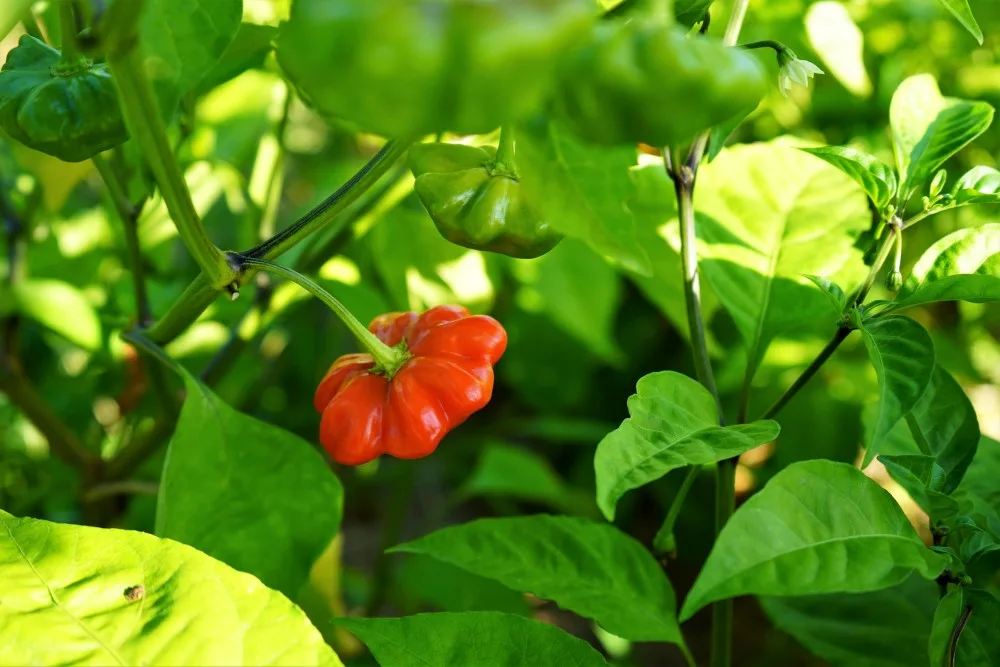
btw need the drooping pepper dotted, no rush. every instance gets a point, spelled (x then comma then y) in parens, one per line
(475, 200)
(406, 68)
(66, 108)
(448, 376)
(650, 82)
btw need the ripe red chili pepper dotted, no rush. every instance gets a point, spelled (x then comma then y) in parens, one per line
(448, 376)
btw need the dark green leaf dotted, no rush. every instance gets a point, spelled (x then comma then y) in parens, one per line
(800, 218)
(508, 471)
(248, 50)
(248, 493)
(80, 595)
(480, 638)
(963, 266)
(581, 190)
(833, 292)
(960, 10)
(588, 568)
(886, 628)
(877, 178)
(673, 423)
(903, 356)
(690, 12)
(922, 478)
(946, 617)
(979, 489)
(720, 134)
(422, 580)
(816, 527)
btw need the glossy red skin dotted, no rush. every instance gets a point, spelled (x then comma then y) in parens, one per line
(448, 377)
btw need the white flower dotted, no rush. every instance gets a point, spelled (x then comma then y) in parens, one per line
(792, 70)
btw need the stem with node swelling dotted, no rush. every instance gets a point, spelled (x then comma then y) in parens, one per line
(200, 293)
(71, 54)
(387, 359)
(146, 128)
(843, 330)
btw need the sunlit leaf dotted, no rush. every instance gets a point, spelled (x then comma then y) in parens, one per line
(480, 638)
(963, 266)
(80, 595)
(839, 42)
(886, 628)
(960, 10)
(674, 423)
(877, 178)
(58, 306)
(589, 568)
(903, 356)
(816, 527)
(979, 185)
(582, 190)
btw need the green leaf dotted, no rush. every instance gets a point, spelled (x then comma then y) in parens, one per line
(419, 581)
(58, 306)
(963, 266)
(65, 600)
(581, 188)
(946, 617)
(833, 292)
(876, 177)
(922, 478)
(816, 527)
(248, 493)
(979, 489)
(840, 44)
(960, 10)
(928, 129)
(514, 472)
(578, 290)
(181, 41)
(979, 185)
(690, 12)
(721, 133)
(800, 217)
(903, 356)
(886, 628)
(480, 638)
(944, 424)
(589, 568)
(673, 423)
(248, 49)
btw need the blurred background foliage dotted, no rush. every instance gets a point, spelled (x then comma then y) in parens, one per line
(581, 330)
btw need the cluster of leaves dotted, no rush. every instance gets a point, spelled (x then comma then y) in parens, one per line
(247, 514)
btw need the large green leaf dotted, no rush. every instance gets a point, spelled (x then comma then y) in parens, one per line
(589, 568)
(816, 527)
(928, 128)
(886, 628)
(181, 41)
(58, 306)
(978, 613)
(876, 177)
(79, 595)
(903, 356)
(422, 583)
(946, 617)
(923, 480)
(960, 10)
(979, 185)
(673, 423)
(979, 489)
(581, 190)
(963, 266)
(480, 638)
(248, 493)
(508, 471)
(769, 215)
(578, 290)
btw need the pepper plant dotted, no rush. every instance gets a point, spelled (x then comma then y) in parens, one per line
(553, 214)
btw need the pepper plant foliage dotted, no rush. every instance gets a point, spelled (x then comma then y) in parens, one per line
(542, 206)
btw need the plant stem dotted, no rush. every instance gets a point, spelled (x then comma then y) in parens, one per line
(778, 47)
(67, 27)
(142, 117)
(885, 248)
(200, 294)
(386, 358)
(735, 22)
(956, 635)
(664, 539)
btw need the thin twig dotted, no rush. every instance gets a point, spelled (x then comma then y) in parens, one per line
(956, 635)
(124, 487)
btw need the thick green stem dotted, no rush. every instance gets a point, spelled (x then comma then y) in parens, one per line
(200, 294)
(71, 55)
(386, 358)
(504, 161)
(146, 128)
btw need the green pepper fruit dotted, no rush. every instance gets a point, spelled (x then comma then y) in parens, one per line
(68, 110)
(652, 83)
(406, 68)
(475, 200)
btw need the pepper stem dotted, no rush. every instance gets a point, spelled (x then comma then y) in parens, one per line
(71, 54)
(504, 163)
(387, 359)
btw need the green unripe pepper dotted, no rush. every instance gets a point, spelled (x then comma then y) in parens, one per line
(475, 200)
(68, 110)
(651, 83)
(406, 68)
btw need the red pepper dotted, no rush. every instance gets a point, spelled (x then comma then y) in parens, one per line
(368, 412)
